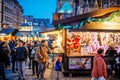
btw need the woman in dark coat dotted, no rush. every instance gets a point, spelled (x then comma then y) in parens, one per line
(13, 54)
(112, 54)
(3, 59)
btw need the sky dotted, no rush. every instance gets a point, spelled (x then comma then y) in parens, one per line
(39, 8)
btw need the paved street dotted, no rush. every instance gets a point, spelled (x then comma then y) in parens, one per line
(49, 75)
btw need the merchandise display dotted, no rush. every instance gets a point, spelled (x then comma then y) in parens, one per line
(87, 43)
(80, 63)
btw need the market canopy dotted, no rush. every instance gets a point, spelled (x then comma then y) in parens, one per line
(34, 34)
(66, 8)
(25, 24)
(80, 17)
(108, 18)
(22, 34)
(8, 31)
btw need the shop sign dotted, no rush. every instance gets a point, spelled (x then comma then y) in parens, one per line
(2, 34)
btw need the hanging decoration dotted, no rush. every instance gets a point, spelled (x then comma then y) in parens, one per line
(114, 17)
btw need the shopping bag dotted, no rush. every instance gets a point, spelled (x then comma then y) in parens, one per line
(101, 78)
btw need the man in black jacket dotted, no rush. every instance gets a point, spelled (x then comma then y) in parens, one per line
(21, 55)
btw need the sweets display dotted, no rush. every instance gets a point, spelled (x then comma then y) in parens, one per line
(87, 43)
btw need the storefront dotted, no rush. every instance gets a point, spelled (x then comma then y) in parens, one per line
(24, 31)
(55, 40)
(8, 34)
(85, 34)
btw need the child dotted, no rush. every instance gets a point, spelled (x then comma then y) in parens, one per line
(58, 67)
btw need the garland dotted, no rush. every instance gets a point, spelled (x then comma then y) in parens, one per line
(90, 19)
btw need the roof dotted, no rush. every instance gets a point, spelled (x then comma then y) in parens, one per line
(93, 14)
(34, 34)
(22, 33)
(25, 24)
(66, 8)
(7, 31)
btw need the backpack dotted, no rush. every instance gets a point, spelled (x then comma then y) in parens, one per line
(21, 53)
(33, 54)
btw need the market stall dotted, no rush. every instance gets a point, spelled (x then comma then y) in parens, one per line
(82, 45)
(8, 34)
(55, 40)
(86, 33)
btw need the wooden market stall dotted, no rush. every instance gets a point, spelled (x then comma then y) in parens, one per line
(8, 34)
(55, 40)
(84, 34)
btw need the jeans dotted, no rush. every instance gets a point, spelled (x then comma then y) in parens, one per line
(34, 66)
(13, 65)
(41, 69)
(2, 71)
(112, 67)
(21, 69)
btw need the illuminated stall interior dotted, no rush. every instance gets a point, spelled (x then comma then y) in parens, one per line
(24, 30)
(8, 34)
(87, 43)
(55, 40)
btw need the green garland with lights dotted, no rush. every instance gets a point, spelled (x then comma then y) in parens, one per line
(90, 19)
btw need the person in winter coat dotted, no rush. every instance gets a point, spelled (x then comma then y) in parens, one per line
(21, 55)
(14, 59)
(99, 66)
(42, 54)
(30, 47)
(58, 66)
(111, 53)
(34, 60)
(7, 51)
(3, 58)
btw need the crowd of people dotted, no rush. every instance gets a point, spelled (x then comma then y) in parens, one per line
(19, 52)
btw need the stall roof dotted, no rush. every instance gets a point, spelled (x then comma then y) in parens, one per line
(78, 18)
(25, 24)
(22, 33)
(8, 31)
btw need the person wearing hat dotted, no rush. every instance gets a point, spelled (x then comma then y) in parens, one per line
(58, 66)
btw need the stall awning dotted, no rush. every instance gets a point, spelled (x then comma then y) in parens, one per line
(34, 34)
(22, 34)
(8, 31)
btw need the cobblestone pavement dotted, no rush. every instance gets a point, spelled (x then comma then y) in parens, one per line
(49, 75)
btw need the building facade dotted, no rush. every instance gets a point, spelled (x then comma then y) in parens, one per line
(28, 19)
(82, 6)
(39, 24)
(11, 12)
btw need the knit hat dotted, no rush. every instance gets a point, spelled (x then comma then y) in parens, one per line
(59, 58)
